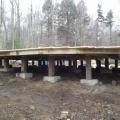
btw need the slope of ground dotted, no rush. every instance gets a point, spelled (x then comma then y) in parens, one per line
(38, 100)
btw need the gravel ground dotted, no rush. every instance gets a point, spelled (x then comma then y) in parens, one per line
(38, 100)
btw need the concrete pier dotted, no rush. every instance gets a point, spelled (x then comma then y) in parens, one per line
(88, 69)
(6, 66)
(24, 74)
(24, 65)
(75, 63)
(89, 81)
(51, 71)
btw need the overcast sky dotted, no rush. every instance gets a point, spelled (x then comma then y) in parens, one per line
(114, 5)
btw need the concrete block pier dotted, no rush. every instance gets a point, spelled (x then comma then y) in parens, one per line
(51, 71)
(24, 74)
(89, 81)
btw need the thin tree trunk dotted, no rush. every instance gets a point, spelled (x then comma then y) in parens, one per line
(111, 35)
(68, 28)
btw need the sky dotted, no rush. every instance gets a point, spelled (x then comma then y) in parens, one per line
(114, 5)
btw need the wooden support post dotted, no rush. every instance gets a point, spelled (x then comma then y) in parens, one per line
(81, 63)
(43, 62)
(88, 69)
(75, 63)
(39, 63)
(32, 62)
(98, 62)
(106, 63)
(116, 63)
(70, 62)
(24, 65)
(60, 62)
(51, 67)
(57, 62)
(6, 63)
(0, 62)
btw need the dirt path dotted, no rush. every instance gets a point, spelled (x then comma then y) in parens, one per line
(38, 100)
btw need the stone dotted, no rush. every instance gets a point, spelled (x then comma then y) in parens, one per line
(6, 69)
(100, 83)
(32, 107)
(92, 82)
(64, 115)
(114, 83)
(24, 75)
(12, 80)
(1, 84)
(51, 79)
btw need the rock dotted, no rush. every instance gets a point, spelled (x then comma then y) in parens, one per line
(64, 104)
(110, 112)
(12, 81)
(114, 83)
(32, 107)
(100, 83)
(85, 110)
(1, 84)
(64, 115)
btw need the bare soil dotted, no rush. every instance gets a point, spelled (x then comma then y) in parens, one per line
(38, 100)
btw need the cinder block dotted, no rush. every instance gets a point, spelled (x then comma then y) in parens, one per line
(51, 79)
(92, 82)
(24, 75)
(6, 69)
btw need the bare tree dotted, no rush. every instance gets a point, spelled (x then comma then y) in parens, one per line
(12, 23)
(48, 11)
(3, 23)
(18, 27)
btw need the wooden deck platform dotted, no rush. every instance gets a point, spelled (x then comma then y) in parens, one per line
(62, 51)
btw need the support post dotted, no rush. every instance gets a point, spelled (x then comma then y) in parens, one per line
(24, 74)
(75, 63)
(116, 63)
(6, 63)
(51, 71)
(106, 63)
(51, 67)
(81, 63)
(98, 62)
(88, 69)
(6, 67)
(43, 62)
(0, 62)
(57, 62)
(24, 66)
(63, 62)
(39, 63)
(60, 63)
(32, 62)
(89, 81)
(70, 62)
